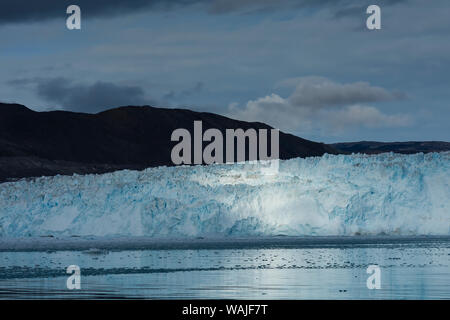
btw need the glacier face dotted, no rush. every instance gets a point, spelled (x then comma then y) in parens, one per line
(329, 195)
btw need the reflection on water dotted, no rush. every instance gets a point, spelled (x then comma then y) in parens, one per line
(408, 271)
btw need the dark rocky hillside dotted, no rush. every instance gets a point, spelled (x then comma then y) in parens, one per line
(61, 142)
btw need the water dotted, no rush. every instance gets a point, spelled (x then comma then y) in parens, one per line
(409, 270)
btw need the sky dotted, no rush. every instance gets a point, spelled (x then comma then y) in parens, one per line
(307, 67)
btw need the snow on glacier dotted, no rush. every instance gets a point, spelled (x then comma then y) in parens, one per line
(330, 195)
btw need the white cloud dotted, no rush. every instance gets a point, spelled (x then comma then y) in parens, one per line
(320, 104)
(366, 116)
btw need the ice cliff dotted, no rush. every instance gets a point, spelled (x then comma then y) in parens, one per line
(329, 195)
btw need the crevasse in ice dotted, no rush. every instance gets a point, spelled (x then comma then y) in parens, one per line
(329, 195)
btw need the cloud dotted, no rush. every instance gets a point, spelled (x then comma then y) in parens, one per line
(227, 6)
(366, 116)
(341, 7)
(273, 110)
(321, 104)
(25, 10)
(321, 92)
(84, 98)
(355, 8)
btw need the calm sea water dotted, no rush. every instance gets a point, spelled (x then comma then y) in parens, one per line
(408, 271)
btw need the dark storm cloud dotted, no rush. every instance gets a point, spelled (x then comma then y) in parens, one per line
(319, 92)
(355, 8)
(227, 6)
(340, 7)
(25, 10)
(85, 98)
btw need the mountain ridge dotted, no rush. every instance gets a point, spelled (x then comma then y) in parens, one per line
(46, 143)
(36, 143)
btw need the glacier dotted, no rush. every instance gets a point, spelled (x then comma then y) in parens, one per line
(389, 194)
